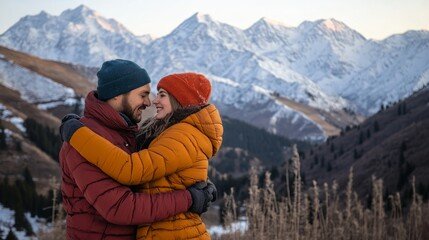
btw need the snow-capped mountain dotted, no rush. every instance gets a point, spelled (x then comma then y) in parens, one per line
(249, 79)
(323, 64)
(79, 35)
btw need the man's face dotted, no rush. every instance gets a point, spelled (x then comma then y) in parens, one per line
(135, 101)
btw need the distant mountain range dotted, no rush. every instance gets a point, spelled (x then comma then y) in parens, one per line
(260, 74)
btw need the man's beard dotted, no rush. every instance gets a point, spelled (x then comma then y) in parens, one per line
(128, 110)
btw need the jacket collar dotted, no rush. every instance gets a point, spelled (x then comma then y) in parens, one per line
(106, 115)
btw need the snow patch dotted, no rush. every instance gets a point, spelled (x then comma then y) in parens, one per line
(49, 105)
(8, 116)
(223, 80)
(239, 226)
(7, 220)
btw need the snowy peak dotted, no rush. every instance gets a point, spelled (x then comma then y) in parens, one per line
(84, 15)
(79, 35)
(329, 27)
(333, 25)
(195, 21)
(80, 12)
(267, 25)
(266, 22)
(33, 20)
(201, 28)
(202, 18)
(43, 16)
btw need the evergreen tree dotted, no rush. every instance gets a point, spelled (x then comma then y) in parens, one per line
(21, 222)
(2, 138)
(13, 199)
(361, 137)
(18, 146)
(11, 235)
(402, 150)
(44, 137)
(355, 154)
(348, 128)
(376, 126)
(329, 167)
(28, 178)
(4, 198)
(404, 173)
(368, 134)
(404, 108)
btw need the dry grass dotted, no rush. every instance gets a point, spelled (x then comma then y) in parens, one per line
(324, 214)
(57, 229)
(319, 213)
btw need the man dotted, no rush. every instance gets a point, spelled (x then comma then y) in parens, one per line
(98, 207)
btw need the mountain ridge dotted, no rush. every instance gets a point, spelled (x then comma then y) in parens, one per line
(323, 64)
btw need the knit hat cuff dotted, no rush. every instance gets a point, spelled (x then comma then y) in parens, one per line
(123, 84)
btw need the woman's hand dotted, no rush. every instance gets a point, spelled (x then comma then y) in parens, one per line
(69, 125)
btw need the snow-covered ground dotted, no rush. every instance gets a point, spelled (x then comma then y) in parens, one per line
(68, 102)
(239, 226)
(7, 221)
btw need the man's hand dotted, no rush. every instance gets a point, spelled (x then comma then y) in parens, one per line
(203, 194)
(69, 124)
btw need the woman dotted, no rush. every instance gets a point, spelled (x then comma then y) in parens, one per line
(176, 146)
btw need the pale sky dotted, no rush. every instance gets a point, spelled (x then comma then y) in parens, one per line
(376, 19)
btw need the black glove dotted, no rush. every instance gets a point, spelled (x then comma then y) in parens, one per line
(203, 194)
(212, 189)
(69, 125)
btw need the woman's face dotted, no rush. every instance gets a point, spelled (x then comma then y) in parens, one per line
(162, 104)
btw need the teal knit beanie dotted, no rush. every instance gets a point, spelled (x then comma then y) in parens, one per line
(119, 76)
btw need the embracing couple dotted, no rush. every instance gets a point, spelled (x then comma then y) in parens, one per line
(122, 182)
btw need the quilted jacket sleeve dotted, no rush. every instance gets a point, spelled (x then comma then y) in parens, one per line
(117, 203)
(172, 151)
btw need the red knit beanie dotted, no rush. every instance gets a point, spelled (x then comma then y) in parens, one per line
(190, 89)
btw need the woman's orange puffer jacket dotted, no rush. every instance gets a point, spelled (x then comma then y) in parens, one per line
(176, 159)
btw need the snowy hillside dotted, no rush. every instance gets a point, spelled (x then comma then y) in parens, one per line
(323, 64)
(32, 87)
